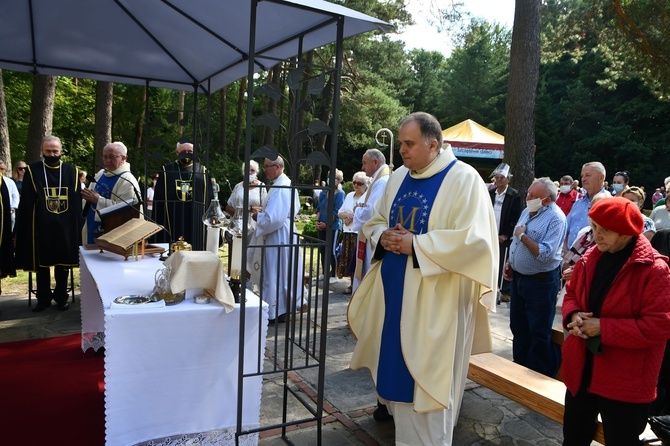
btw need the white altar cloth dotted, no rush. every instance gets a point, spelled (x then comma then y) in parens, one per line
(172, 370)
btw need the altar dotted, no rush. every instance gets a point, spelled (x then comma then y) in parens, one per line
(169, 371)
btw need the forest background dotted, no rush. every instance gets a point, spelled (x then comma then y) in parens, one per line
(602, 94)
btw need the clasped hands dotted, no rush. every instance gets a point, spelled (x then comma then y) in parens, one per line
(584, 325)
(397, 239)
(254, 210)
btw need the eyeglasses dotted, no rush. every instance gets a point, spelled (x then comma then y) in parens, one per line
(110, 157)
(359, 183)
(267, 166)
(20, 168)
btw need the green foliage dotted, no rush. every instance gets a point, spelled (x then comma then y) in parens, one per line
(599, 97)
(632, 37)
(347, 186)
(18, 90)
(585, 116)
(475, 78)
(309, 228)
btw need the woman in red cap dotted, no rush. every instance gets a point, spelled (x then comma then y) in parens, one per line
(617, 312)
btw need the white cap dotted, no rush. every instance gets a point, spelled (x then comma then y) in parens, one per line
(502, 169)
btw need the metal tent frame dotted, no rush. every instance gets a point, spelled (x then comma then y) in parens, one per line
(201, 46)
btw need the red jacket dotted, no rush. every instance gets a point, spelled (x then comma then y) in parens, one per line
(634, 324)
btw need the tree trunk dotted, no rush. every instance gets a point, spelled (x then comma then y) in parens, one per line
(41, 115)
(240, 115)
(180, 128)
(139, 125)
(521, 94)
(104, 99)
(5, 154)
(224, 118)
(271, 104)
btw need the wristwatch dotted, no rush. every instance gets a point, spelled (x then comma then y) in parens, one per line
(521, 236)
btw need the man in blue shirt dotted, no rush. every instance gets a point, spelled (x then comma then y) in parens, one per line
(593, 182)
(534, 269)
(322, 224)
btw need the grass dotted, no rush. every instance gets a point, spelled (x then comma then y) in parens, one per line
(19, 285)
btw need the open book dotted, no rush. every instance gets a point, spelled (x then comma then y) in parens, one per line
(129, 238)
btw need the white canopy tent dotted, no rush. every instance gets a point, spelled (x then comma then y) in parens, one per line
(180, 44)
(194, 45)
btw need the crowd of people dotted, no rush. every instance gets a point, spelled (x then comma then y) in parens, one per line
(427, 251)
(615, 301)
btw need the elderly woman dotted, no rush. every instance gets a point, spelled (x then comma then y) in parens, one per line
(617, 313)
(637, 196)
(257, 193)
(323, 225)
(347, 261)
(661, 214)
(18, 171)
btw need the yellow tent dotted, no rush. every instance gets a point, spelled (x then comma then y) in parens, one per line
(469, 139)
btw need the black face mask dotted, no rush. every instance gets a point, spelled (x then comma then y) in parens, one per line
(51, 160)
(185, 158)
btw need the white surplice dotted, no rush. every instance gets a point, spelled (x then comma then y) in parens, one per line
(273, 228)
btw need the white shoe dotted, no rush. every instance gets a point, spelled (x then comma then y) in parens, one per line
(334, 279)
(321, 277)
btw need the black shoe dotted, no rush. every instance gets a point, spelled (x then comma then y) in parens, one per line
(40, 307)
(382, 413)
(63, 306)
(279, 320)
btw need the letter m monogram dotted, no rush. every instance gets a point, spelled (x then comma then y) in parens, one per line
(404, 220)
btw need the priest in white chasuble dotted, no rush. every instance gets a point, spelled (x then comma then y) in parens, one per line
(422, 308)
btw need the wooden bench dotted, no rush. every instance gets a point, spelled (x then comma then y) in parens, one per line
(527, 387)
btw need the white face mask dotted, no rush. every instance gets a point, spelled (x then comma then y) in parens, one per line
(566, 189)
(617, 187)
(252, 177)
(534, 205)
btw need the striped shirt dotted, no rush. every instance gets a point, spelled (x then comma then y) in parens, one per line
(547, 228)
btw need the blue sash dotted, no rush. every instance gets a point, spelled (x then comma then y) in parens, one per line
(411, 208)
(104, 187)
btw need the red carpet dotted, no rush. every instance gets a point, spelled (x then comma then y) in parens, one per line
(51, 393)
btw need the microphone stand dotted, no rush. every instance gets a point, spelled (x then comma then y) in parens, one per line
(137, 193)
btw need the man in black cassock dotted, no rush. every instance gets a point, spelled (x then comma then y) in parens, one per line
(181, 197)
(49, 223)
(6, 240)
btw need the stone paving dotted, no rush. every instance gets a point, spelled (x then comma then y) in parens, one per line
(486, 418)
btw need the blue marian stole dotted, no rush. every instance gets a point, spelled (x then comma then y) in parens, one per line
(104, 187)
(411, 208)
